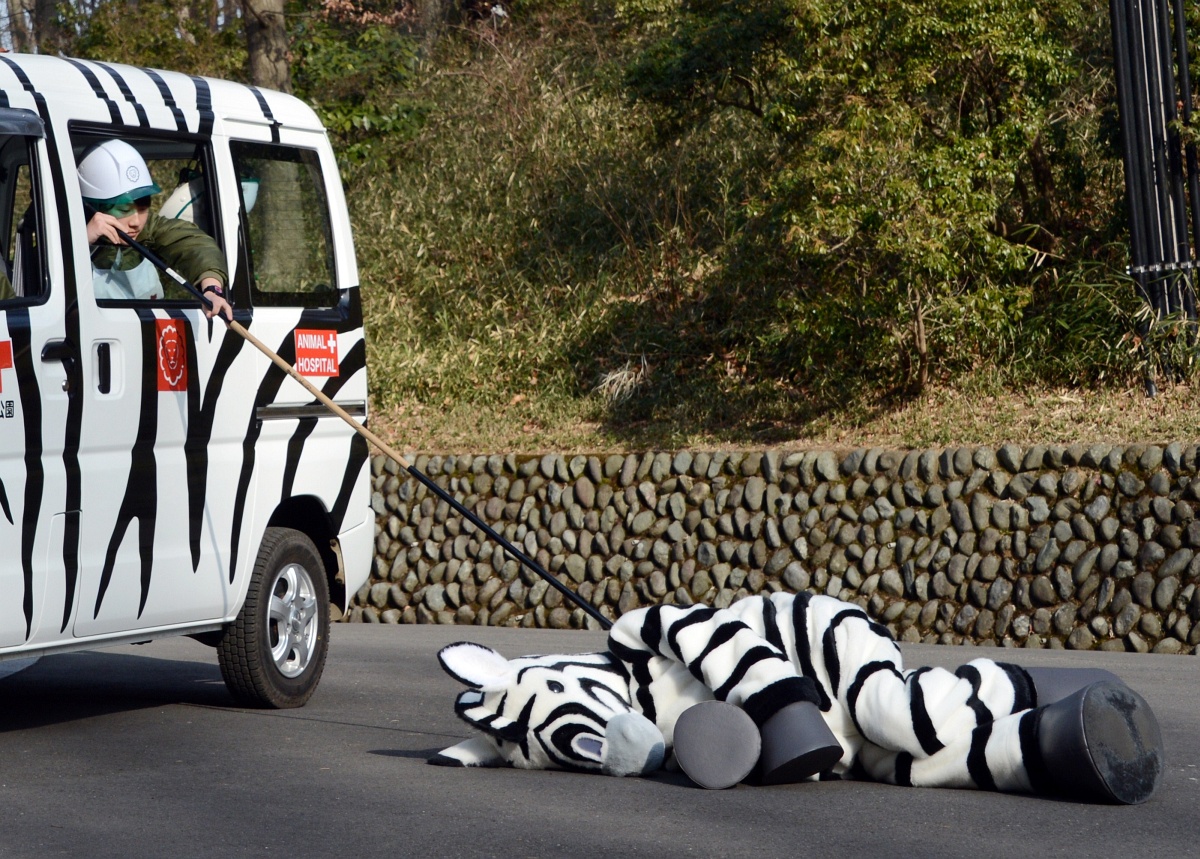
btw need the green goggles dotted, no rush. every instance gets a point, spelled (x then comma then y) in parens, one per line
(124, 205)
(124, 208)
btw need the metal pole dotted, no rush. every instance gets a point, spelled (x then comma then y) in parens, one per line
(1193, 177)
(1131, 148)
(1178, 252)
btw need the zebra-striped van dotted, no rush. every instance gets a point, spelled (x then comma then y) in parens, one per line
(159, 475)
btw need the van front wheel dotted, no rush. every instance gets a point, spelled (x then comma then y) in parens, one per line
(274, 653)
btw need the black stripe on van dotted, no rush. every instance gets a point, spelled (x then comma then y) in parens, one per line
(268, 390)
(31, 415)
(143, 120)
(140, 498)
(204, 105)
(114, 110)
(295, 449)
(74, 428)
(201, 417)
(266, 109)
(168, 98)
(359, 453)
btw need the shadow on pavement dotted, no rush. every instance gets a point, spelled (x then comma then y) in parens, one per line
(66, 687)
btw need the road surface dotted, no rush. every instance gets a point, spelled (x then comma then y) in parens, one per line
(139, 751)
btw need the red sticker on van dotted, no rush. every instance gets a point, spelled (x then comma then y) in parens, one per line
(316, 352)
(6, 360)
(172, 356)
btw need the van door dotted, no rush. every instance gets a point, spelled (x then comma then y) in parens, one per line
(159, 451)
(39, 372)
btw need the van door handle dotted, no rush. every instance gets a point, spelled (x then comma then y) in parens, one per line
(63, 352)
(104, 368)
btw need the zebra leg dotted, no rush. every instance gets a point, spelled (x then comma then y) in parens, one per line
(718, 649)
(936, 728)
(756, 686)
(974, 728)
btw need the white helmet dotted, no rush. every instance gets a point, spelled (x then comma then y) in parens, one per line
(113, 173)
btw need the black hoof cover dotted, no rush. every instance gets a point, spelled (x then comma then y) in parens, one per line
(716, 744)
(1103, 743)
(796, 745)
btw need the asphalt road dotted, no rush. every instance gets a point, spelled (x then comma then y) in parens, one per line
(139, 751)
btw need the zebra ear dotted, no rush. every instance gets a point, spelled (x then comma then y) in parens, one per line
(476, 666)
(475, 752)
(472, 709)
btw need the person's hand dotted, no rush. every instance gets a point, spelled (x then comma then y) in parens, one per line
(220, 307)
(102, 226)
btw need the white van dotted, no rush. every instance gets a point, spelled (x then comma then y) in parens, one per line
(158, 474)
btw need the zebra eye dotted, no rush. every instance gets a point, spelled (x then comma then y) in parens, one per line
(556, 687)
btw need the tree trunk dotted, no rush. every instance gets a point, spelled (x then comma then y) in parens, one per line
(45, 36)
(18, 27)
(267, 44)
(921, 344)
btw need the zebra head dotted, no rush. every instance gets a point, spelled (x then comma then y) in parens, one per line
(548, 712)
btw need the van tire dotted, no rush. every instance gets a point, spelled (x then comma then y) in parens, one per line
(273, 654)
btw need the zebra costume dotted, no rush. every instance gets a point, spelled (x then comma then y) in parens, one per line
(617, 712)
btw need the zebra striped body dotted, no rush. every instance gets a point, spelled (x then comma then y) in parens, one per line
(973, 727)
(926, 726)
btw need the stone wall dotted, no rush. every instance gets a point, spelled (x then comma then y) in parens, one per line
(1080, 547)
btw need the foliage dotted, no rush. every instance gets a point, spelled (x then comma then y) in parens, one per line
(352, 73)
(169, 34)
(926, 185)
(722, 218)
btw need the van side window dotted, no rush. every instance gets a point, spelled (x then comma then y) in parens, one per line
(180, 168)
(286, 227)
(23, 274)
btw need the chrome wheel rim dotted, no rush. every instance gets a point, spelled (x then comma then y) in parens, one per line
(292, 620)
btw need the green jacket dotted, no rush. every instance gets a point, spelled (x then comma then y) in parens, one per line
(182, 245)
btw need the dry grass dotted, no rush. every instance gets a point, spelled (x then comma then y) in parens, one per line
(975, 414)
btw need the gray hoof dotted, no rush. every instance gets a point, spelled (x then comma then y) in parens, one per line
(1054, 684)
(796, 745)
(1103, 743)
(716, 744)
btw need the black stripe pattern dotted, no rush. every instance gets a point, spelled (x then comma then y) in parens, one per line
(925, 727)
(44, 491)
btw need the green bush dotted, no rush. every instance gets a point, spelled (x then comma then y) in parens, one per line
(167, 34)
(355, 77)
(730, 218)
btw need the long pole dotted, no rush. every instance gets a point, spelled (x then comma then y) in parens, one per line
(383, 446)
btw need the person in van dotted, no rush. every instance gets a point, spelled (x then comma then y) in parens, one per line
(117, 186)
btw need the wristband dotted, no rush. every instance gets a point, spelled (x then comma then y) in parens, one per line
(213, 288)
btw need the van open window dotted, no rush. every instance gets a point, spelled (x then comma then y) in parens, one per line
(180, 168)
(23, 272)
(286, 226)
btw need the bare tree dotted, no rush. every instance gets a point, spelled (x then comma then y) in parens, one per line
(19, 19)
(33, 25)
(267, 44)
(46, 35)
